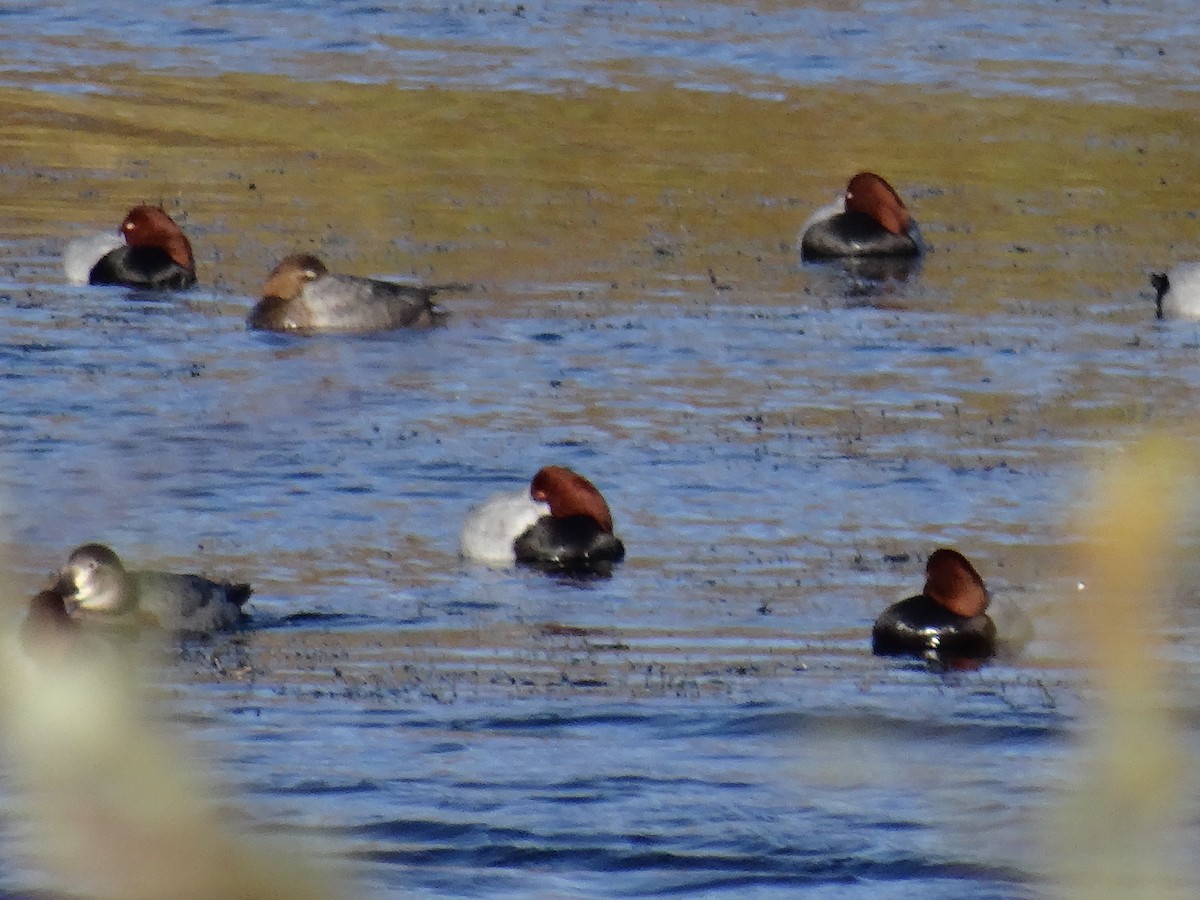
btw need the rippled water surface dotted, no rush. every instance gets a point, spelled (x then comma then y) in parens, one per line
(1065, 49)
(782, 445)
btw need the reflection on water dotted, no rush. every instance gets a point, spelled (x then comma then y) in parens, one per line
(782, 444)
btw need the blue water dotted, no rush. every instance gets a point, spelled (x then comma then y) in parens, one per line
(779, 458)
(1069, 49)
(709, 720)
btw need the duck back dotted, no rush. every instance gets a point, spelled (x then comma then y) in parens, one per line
(189, 603)
(857, 234)
(569, 544)
(142, 267)
(920, 626)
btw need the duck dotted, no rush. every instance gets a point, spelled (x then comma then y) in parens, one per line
(868, 220)
(1177, 292)
(560, 523)
(947, 620)
(304, 297)
(149, 251)
(97, 587)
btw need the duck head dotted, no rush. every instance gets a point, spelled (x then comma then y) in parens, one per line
(94, 578)
(287, 280)
(869, 194)
(570, 494)
(150, 226)
(952, 582)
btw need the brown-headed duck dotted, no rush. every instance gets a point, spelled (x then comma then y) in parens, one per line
(948, 619)
(149, 251)
(302, 296)
(869, 219)
(561, 523)
(97, 586)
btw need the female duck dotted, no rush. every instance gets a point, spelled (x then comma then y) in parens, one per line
(947, 619)
(1177, 292)
(302, 296)
(868, 220)
(562, 523)
(154, 253)
(95, 584)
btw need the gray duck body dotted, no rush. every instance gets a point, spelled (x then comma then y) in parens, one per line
(302, 296)
(98, 586)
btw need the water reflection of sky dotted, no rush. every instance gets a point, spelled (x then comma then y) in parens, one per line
(1112, 52)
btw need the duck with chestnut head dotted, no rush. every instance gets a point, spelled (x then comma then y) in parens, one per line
(947, 620)
(868, 220)
(561, 523)
(149, 251)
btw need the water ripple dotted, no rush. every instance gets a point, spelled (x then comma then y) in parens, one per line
(1066, 49)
